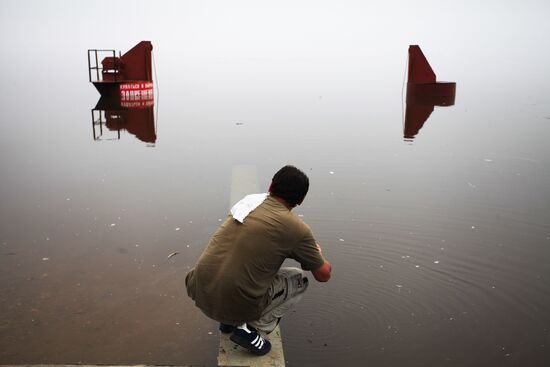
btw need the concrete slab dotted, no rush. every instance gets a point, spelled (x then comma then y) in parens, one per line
(232, 355)
(244, 181)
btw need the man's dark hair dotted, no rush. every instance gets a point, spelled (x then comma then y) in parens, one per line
(290, 184)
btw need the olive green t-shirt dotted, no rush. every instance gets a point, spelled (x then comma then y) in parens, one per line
(231, 278)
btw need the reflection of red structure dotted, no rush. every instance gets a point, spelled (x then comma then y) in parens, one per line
(138, 120)
(127, 76)
(415, 117)
(423, 92)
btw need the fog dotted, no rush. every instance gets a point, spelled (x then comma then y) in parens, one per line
(461, 38)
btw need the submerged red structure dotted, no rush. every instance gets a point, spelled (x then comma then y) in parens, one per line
(424, 92)
(126, 87)
(128, 77)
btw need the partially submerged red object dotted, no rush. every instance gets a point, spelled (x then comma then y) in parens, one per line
(127, 77)
(422, 86)
(126, 87)
(423, 92)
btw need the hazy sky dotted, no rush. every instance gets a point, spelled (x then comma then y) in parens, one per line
(465, 39)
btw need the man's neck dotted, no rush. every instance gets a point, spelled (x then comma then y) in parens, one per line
(282, 201)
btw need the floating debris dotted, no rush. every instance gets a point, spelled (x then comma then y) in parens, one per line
(436, 262)
(341, 240)
(45, 258)
(177, 229)
(172, 255)
(487, 160)
(331, 172)
(239, 123)
(113, 224)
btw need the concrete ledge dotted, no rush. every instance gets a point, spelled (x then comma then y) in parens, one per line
(244, 181)
(231, 355)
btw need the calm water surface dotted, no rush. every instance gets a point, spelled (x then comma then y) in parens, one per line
(440, 244)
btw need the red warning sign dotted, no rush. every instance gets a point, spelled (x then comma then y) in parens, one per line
(136, 91)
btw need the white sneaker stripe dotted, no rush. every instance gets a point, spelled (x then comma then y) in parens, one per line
(255, 339)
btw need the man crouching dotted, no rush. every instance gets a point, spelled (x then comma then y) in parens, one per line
(238, 280)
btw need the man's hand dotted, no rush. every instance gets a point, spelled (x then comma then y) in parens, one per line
(322, 274)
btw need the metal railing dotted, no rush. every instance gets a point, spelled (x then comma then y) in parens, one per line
(99, 118)
(94, 64)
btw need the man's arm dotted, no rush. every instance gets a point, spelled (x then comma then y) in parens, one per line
(322, 273)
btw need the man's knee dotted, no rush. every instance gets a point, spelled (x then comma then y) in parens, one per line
(295, 279)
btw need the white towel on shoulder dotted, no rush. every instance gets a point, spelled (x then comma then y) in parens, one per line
(246, 205)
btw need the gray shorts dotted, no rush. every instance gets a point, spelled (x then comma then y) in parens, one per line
(285, 291)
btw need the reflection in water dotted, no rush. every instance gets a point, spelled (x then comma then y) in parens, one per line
(423, 93)
(136, 117)
(126, 87)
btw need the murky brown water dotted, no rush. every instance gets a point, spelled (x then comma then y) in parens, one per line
(440, 243)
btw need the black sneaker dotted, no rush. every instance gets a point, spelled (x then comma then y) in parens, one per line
(251, 340)
(226, 328)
